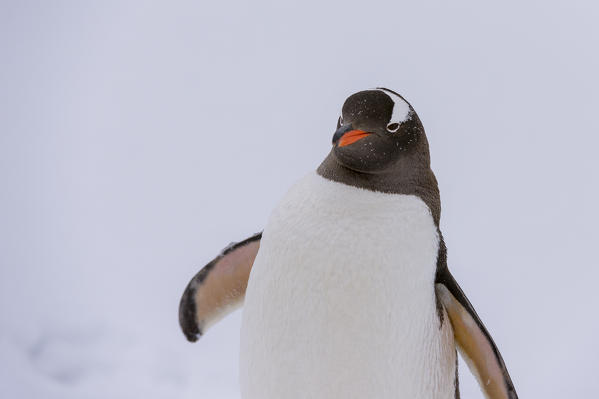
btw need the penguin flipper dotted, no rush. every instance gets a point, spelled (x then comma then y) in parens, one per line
(473, 340)
(217, 289)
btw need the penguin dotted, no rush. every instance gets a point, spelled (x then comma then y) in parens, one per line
(346, 292)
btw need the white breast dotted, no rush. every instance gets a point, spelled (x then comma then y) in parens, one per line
(341, 302)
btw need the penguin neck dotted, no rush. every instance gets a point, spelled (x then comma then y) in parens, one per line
(411, 175)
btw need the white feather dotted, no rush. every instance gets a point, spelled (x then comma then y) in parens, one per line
(341, 301)
(401, 108)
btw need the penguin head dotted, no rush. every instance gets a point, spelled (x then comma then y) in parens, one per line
(375, 129)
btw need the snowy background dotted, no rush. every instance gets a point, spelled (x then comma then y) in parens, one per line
(137, 140)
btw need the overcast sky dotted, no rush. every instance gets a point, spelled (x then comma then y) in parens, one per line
(138, 139)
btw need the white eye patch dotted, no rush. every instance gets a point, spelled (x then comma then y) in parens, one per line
(401, 109)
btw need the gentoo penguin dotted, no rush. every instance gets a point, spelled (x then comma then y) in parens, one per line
(346, 291)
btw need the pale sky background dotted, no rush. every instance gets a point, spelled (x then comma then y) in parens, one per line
(138, 139)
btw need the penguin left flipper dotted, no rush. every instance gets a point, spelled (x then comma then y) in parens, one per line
(473, 340)
(217, 289)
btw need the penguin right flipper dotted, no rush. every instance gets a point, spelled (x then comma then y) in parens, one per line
(217, 289)
(473, 340)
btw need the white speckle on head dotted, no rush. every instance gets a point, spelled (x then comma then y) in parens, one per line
(401, 109)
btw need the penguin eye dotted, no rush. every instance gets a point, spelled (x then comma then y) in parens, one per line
(392, 127)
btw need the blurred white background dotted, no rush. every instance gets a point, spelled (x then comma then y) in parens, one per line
(138, 139)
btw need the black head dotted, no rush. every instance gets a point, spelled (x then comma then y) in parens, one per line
(380, 145)
(375, 127)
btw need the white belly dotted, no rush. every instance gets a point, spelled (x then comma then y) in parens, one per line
(341, 302)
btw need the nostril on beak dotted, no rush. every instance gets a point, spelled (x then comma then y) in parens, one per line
(341, 131)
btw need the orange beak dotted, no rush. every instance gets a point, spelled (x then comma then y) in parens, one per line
(352, 136)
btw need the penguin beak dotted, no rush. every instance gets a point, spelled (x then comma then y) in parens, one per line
(347, 135)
